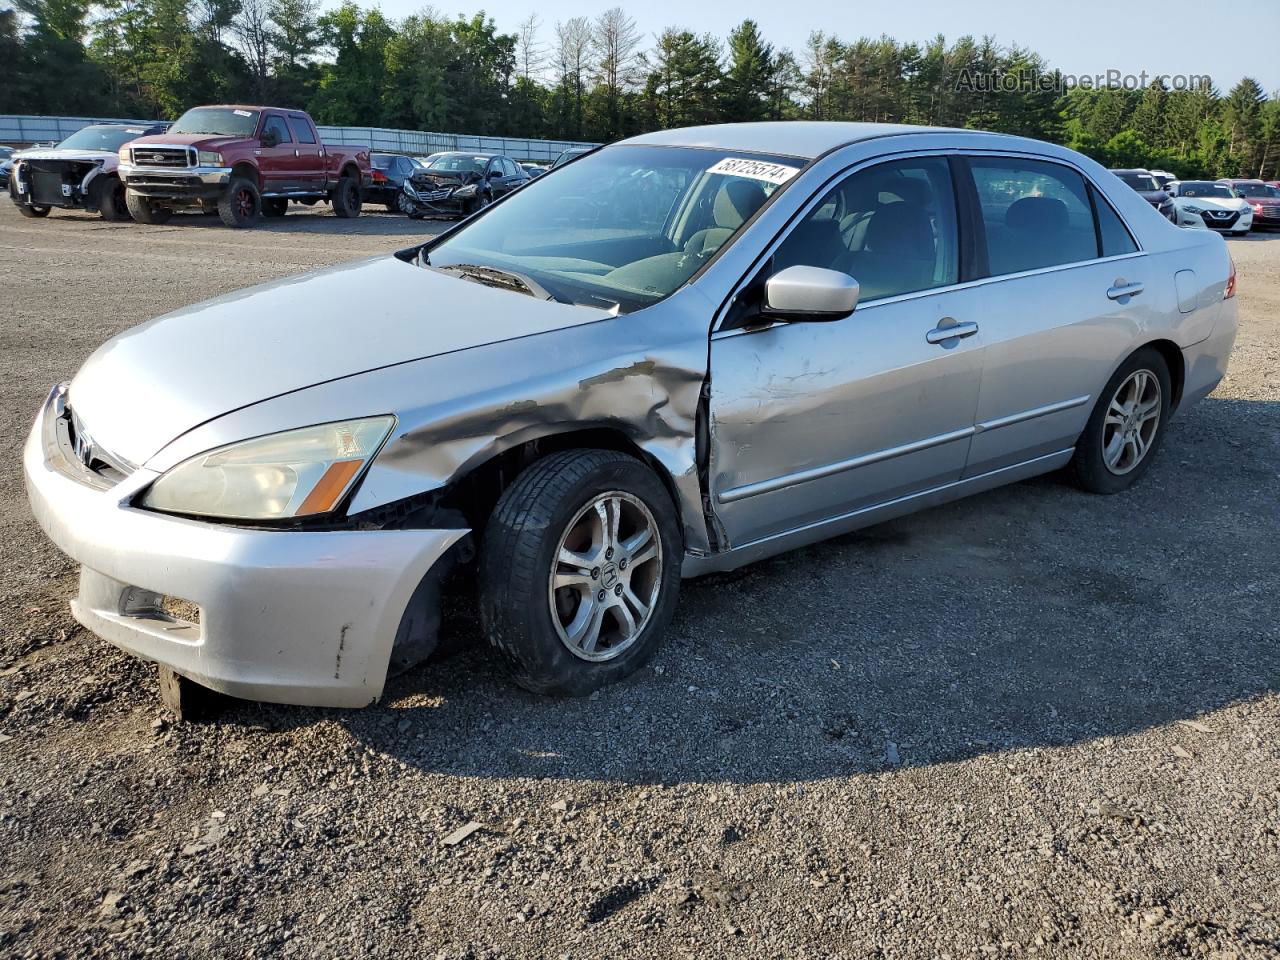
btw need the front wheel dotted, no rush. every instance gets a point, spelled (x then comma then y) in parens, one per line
(1127, 425)
(144, 211)
(579, 571)
(241, 203)
(111, 203)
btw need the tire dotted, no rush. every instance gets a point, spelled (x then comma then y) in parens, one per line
(241, 204)
(554, 501)
(479, 203)
(1096, 466)
(30, 210)
(346, 198)
(275, 206)
(111, 202)
(144, 211)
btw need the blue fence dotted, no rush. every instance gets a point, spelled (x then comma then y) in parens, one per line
(27, 130)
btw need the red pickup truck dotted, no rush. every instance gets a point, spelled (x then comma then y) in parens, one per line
(244, 161)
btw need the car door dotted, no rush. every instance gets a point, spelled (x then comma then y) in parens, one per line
(1068, 292)
(310, 173)
(814, 421)
(277, 164)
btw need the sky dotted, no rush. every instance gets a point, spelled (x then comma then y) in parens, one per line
(1225, 40)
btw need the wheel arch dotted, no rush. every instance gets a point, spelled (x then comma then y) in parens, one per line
(473, 491)
(350, 169)
(1172, 355)
(246, 169)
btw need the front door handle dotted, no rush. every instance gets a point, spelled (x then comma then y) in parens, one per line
(1122, 289)
(954, 331)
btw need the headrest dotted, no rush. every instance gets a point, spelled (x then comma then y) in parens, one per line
(736, 201)
(901, 228)
(1037, 213)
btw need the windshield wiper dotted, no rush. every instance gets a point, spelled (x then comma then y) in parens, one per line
(503, 279)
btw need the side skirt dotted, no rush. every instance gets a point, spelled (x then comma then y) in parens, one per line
(694, 566)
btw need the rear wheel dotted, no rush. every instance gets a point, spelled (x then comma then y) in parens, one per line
(346, 198)
(144, 210)
(275, 207)
(111, 205)
(579, 571)
(241, 204)
(1127, 425)
(31, 210)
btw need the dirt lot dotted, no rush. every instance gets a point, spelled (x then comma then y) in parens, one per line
(1032, 723)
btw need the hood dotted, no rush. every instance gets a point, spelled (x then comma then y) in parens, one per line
(149, 385)
(1215, 203)
(53, 153)
(445, 178)
(201, 141)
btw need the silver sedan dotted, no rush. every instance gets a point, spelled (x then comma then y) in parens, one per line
(674, 355)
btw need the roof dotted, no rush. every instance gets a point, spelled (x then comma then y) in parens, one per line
(796, 138)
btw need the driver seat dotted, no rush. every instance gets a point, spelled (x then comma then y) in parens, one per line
(735, 202)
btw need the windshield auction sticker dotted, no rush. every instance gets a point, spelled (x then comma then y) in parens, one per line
(754, 170)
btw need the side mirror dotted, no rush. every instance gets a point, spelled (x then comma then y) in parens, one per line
(270, 138)
(809, 294)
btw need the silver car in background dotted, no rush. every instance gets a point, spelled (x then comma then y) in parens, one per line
(676, 355)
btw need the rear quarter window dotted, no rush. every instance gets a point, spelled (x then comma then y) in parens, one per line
(1112, 233)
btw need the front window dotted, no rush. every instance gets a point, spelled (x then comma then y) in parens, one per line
(106, 139)
(217, 122)
(1252, 190)
(1139, 181)
(1215, 190)
(623, 227)
(459, 163)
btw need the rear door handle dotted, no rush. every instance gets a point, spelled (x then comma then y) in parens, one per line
(955, 331)
(1122, 289)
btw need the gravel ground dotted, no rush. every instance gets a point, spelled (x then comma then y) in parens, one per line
(1031, 723)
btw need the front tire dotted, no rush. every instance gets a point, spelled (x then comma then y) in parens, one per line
(579, 571)
(144, 211)
(1127, 425)
(241, 204)
(111, 202)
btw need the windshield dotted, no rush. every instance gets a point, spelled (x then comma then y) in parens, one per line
(106, 139)
(459, 163)
(1139, 181)
(625, 226)
(218, 122)
(1252, 190)
(1204, 189)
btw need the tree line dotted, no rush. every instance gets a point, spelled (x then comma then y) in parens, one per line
(594, 79)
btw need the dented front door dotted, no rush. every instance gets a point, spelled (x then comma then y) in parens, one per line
(812, 421)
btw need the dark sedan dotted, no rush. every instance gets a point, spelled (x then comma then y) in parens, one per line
(1149, 189)
(386, 179)
(462, 183)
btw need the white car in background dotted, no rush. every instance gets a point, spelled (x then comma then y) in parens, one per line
(1163, 177)
(1203, 203)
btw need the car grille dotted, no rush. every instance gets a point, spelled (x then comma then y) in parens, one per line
(163, 156)
(1220, 218)
(82, 458)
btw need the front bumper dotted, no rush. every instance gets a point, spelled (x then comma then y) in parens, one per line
(443, 200)
(175, 183)
(284, 616)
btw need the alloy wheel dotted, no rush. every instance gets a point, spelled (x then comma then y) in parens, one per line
(1132, 419)
(606, 576)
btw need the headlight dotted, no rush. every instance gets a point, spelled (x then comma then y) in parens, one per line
(209, 158)
(468, 191)
(123, 155)
(1192, 208)
(294, 474)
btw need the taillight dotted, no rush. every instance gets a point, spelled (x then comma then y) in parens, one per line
(1231, 282)
(379, 177)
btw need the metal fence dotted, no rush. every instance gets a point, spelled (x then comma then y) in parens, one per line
(25, 130)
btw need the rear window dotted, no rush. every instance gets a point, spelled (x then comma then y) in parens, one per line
(301, 130)
(1035, 214)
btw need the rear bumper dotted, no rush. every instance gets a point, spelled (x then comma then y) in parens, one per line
(1205, 363)
(284, 616)
(176, 183)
